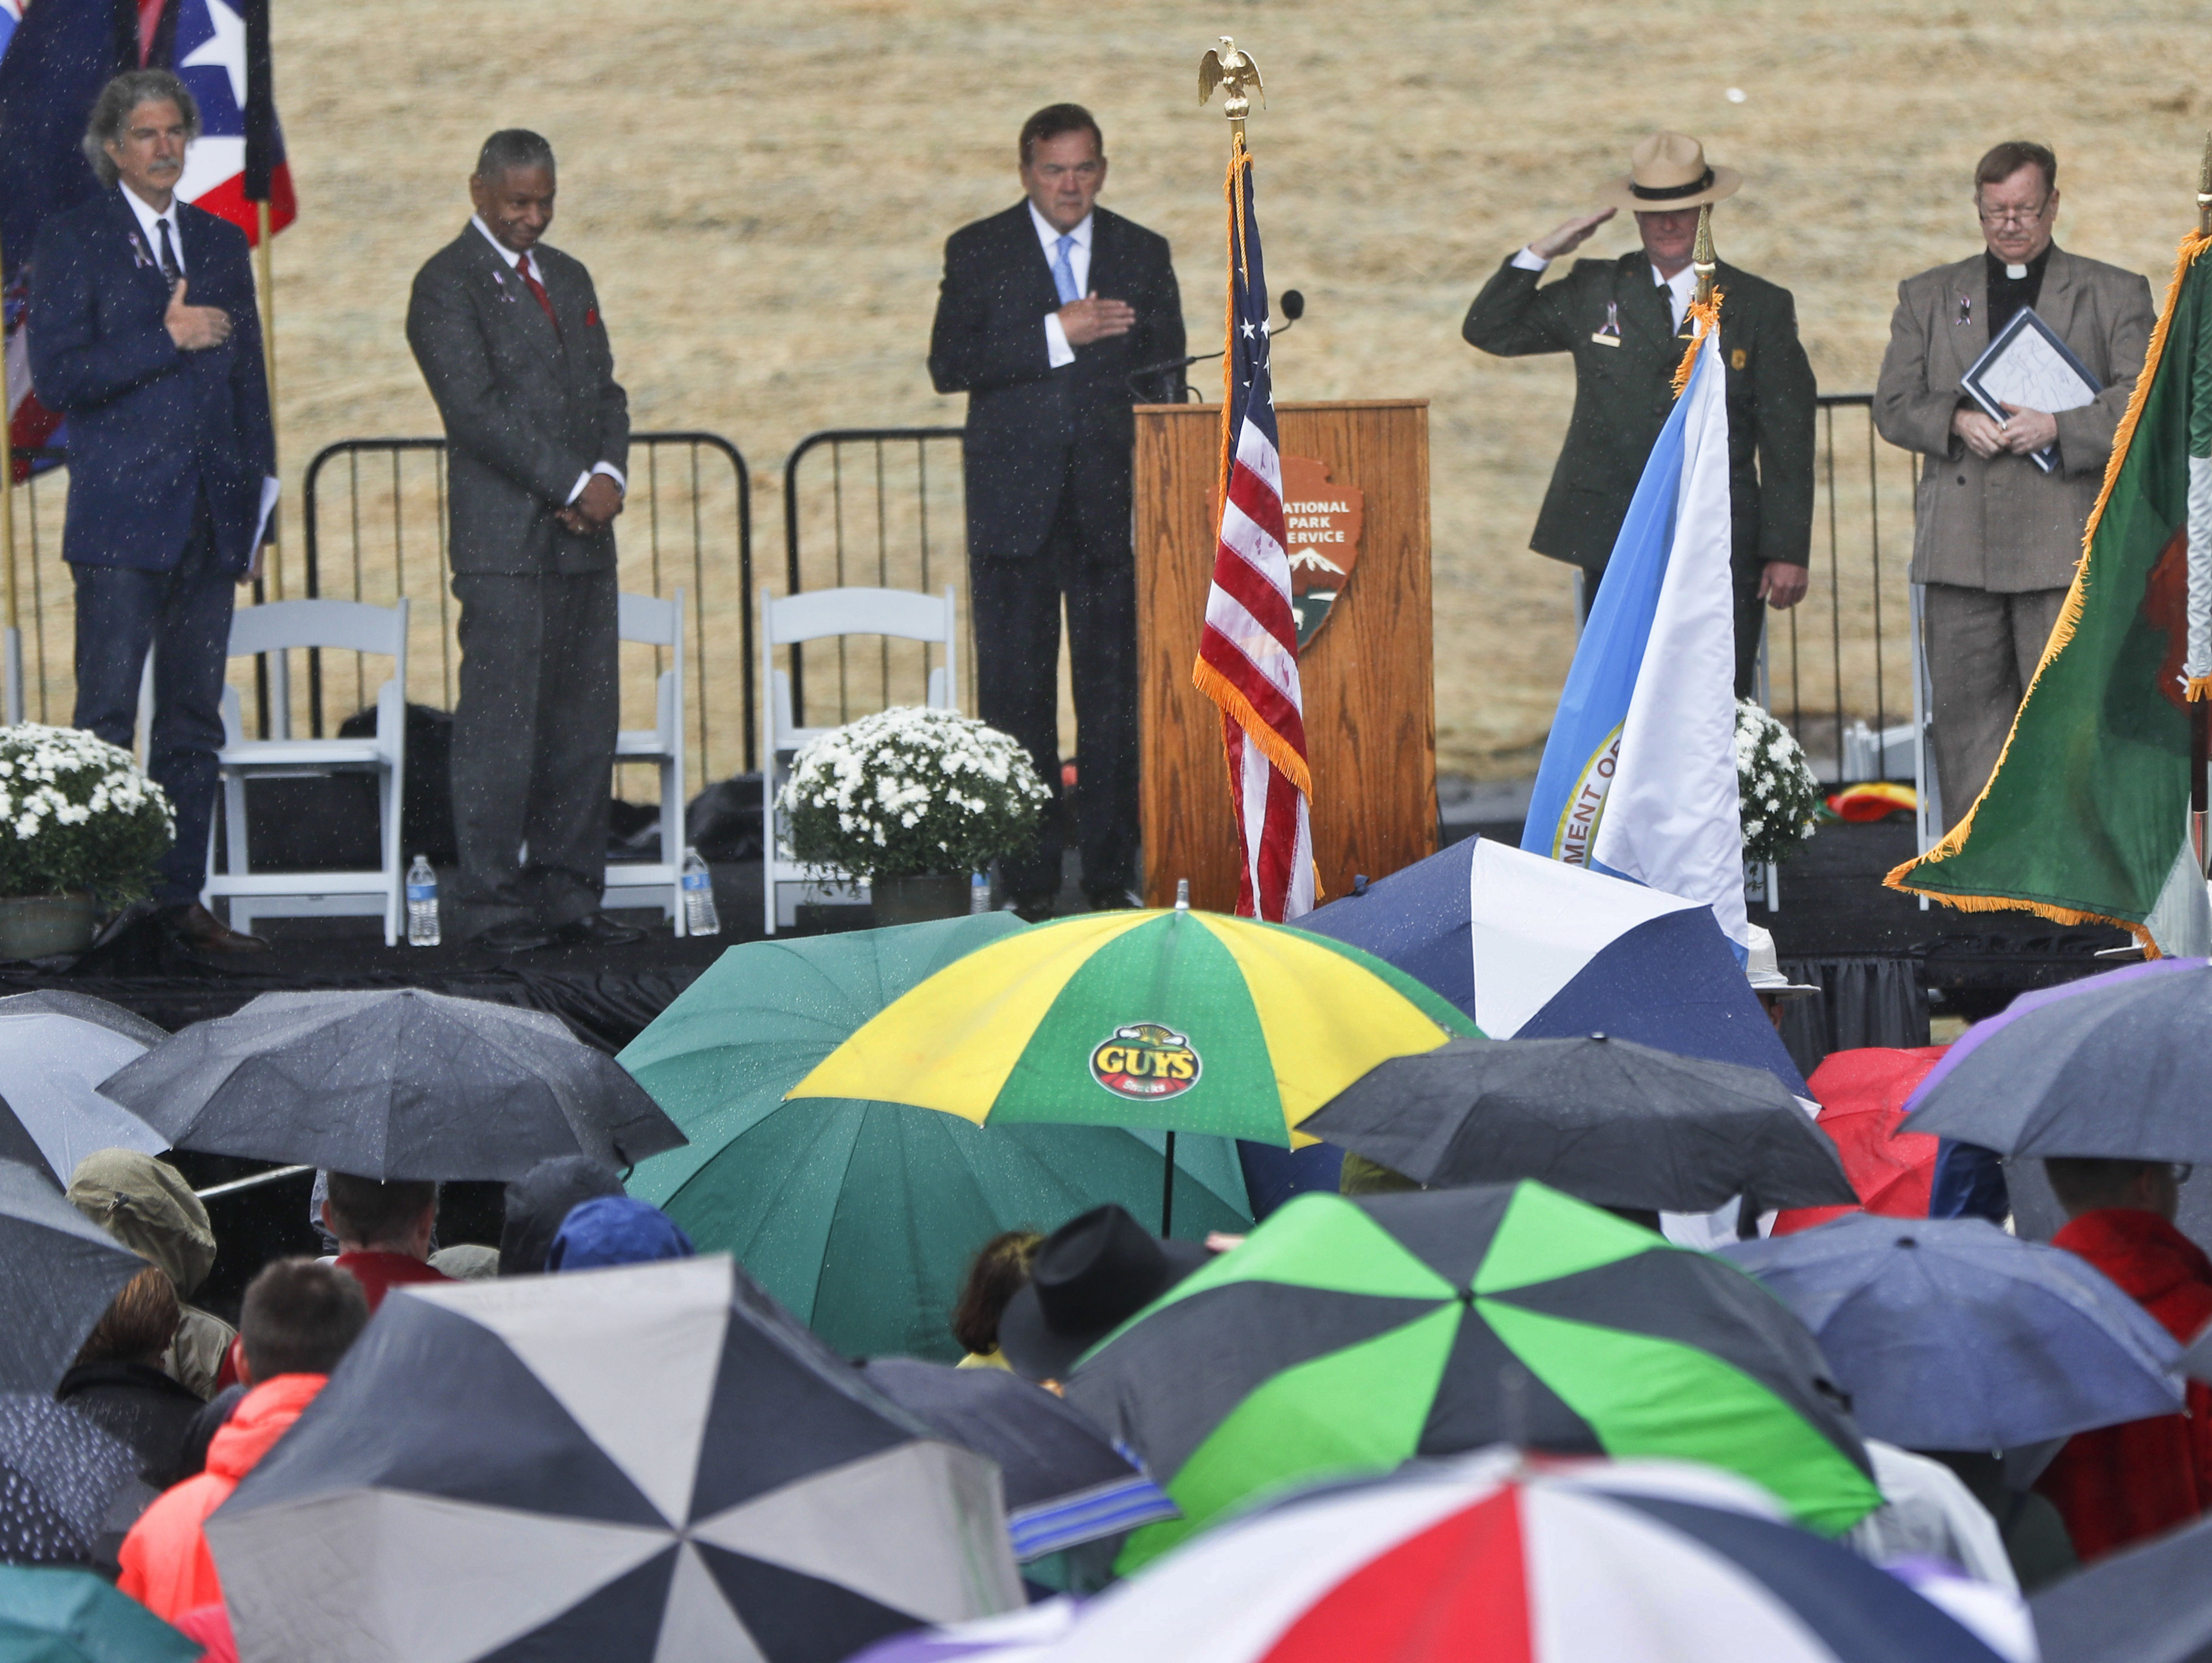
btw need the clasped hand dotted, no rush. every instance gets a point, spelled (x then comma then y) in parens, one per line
(594, 508)
(2022, 432)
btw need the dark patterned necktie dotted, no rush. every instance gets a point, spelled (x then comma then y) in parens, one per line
(170, 269)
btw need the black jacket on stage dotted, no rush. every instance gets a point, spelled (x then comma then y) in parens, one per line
(1624, 392)
(1027, 420)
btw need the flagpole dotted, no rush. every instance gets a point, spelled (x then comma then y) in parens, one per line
(11, 696)
(2200, 710)
(1701, 255)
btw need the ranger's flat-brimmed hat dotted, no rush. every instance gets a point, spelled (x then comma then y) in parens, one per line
(1669, 171)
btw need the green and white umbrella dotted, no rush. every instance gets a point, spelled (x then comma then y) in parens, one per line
(1345, 1338)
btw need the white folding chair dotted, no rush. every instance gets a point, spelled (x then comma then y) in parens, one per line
(659, 884)
(821, 614)
(344, 626)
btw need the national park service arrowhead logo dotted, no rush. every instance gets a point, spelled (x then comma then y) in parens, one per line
(1323, 522)
(1146, 1062)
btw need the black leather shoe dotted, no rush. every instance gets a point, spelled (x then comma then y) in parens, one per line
(200, 930)
(597, 930)
(1115, 900)
(519, 937)
(1032, 909)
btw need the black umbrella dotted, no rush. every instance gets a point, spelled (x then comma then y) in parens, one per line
(647, 1462)
(1618, 1124)
(1066, 1482)
(2150, 1604)
(59, 1270)
(403, 1084)
(59, 1477)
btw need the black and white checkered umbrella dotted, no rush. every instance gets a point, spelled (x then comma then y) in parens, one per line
(654, 1462)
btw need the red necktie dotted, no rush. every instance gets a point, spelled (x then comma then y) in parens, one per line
(537, 290)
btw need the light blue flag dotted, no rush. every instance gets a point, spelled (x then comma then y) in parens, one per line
(1584, 746)
(1639, 778)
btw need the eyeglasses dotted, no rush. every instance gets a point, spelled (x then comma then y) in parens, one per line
(2013, 215)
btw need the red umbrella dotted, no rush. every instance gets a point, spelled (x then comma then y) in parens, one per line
(1861, 1094)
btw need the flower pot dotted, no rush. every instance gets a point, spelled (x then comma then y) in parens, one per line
(41, 925)
(917, 900)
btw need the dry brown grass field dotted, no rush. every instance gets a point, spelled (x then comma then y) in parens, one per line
(762, 188)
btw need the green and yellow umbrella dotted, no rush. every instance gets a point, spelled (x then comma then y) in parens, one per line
(1176, 1020)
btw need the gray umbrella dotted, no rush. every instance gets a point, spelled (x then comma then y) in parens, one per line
(2114, 1070)
(2150, 1604)
(60, 1476)
(55, 1049)
(1618, 1124)
(57, 1272)
(401, 1084)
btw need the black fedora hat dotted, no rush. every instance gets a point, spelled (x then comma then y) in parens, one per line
(1091, 1275)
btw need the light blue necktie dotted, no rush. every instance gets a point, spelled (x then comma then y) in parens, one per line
(1063, 272)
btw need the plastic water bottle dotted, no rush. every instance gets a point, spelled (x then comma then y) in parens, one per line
(700, 918)
(979, 894)
(421, 904)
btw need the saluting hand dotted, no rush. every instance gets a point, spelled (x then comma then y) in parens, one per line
(195, 328)
(1569, 234)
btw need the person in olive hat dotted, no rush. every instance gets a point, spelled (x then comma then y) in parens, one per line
(147, 1206)
(1091, 1275)
(1625, 323)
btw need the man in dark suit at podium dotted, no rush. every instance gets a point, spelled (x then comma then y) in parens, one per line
(508, 334)
(143, 332)
(1047, 313)
(1625, 323)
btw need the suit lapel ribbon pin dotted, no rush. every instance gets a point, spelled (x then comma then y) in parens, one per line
(1966, 310)
(139, 257)
(1610, 335)
(590, 316)
(505, 292)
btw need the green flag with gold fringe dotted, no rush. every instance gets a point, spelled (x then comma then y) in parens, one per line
(2086, 818)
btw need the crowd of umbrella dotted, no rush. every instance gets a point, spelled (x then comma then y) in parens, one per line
(1380, 1425)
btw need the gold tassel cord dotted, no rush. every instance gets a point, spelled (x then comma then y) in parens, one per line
(1708, 316)
(2062, 634)
(2200, 688)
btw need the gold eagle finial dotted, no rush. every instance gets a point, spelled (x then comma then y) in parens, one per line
(1234, 70)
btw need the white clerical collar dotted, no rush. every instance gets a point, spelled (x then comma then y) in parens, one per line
(2015, 272)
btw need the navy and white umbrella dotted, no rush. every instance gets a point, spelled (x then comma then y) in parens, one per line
(1532, 949)
(654, 1462)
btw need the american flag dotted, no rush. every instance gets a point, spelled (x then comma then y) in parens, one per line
(1247, 658)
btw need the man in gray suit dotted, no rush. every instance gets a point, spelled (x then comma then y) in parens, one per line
(1995, 538)
(508, 334)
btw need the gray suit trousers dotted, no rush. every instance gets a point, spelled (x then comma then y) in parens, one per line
(1983, 648)
(533, 747)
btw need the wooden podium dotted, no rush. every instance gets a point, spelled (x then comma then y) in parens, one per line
(1364, 671)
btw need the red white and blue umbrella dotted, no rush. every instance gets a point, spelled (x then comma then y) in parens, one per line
(1493, 1559)
(1534, 949)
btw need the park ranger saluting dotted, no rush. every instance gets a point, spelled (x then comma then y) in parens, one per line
(1625, 322)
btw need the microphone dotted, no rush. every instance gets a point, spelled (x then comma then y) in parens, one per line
(1294, 307)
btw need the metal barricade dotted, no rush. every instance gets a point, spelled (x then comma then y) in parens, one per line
(374, 518)
(1840, 665)
(881, 508)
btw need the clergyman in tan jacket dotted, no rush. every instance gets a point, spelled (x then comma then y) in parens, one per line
(1995, 538)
